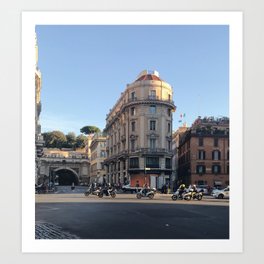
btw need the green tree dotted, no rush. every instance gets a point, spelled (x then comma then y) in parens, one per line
(54, 139)
(71, 139)
(89, 130)
(80, 141)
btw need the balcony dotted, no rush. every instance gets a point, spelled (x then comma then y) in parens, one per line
(132, 99)
(150, 99)
(158, 151)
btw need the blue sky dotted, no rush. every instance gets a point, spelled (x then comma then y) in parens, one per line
(85, 69)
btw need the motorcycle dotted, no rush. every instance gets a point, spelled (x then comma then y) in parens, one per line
(108, 192)
(146, 193)
(193, 195)
(179, 194)
(39, 189)
(96, 191)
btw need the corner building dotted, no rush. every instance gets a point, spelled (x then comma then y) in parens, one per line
(139, 133)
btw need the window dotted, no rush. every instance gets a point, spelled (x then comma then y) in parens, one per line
(152, 109)
(200, 169)
(102, 155)
(200, 141)
(169, 96)
(168, 163)
(169, 127)
(201, 155)
(152, 94)
(133, 163)
(133, 126)
(202, 183)
(228, 154)
(216, 169)
(227, 169)
(152, 143)
(124, 129)
(152, 125)
(132, 145)
(133, 95)
(215, 142)
(169, 112)
(133, 111)
(169, 144)
(152, 162)
(216, 155)
(124, 165)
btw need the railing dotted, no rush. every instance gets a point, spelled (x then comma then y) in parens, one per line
(150, 97)
(64, 159)
(132, 99)
(152, 150)
(153, 97)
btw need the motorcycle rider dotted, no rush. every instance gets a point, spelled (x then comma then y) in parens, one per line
(181, 189)
(145, 189)
(194, 190)
(106, 189)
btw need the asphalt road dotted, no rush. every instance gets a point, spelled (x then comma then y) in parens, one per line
(126, 217)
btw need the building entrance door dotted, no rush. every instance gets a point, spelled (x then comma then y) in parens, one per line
(153, 181)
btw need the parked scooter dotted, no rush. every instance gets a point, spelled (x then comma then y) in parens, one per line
(146, 192)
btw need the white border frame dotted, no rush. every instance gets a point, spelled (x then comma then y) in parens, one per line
(29, 21)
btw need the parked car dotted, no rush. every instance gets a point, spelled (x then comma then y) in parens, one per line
(203, 189)
(220, 194)
(128, 188)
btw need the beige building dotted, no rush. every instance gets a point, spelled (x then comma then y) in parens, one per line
(88, 144)
(64, 166)
(139, 133)
(39, 142)
(175, 149)
(98, 155)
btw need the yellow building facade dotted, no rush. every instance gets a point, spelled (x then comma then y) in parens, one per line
(98, 155)
(139, 133)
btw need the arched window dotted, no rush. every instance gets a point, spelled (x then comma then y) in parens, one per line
(216, 155)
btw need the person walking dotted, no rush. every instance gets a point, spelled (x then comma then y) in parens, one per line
(72, 187)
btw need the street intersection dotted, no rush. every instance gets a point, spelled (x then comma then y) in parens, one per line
(73, 215)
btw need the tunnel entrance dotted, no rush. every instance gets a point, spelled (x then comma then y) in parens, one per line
(66, 177)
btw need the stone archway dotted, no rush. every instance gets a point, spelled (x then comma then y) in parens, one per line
(66, 176)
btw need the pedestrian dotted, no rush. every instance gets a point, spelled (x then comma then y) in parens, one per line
(137, 185)
(72, 187)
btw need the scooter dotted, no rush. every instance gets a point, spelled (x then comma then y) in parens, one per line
(193, 195)
(40, 189)
(179, 194)
(108, 192)
(92, 191)
(146, 193)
